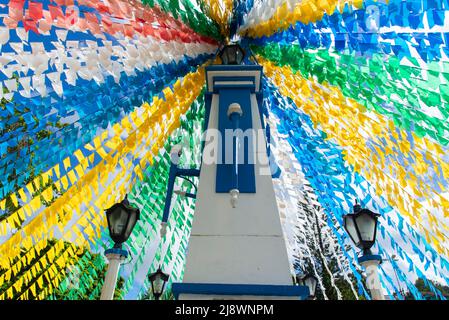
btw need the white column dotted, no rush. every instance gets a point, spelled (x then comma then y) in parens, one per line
(110, 281)
(373, 279)
(241, 245)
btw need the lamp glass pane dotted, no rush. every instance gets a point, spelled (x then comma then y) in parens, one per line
(118, 220)
(131, 223)
(238, 56)
(350, 228)
(158, 284)
(367, 225)
(226, 56)
(231, 55)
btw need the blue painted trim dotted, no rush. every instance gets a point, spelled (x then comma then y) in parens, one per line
(188, 172)
(240, 289)
(241, 67)
(218, 87)
(225, 166)
(168, 195)
(175, 172)
(208, 103)
(235, 78)
(370, 257)
(190, 195)
(117, 251)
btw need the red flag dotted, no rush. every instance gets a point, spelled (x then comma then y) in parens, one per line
(118, 28)
(148, 30)
(15, 14)
(92, 18)
(64, 2)
(71, 15)
(30, 25)
(102, 8)
(129, 31)
(184, 37)
(165, 35)
(56, 12)
(16, 4)
(35, 11)
(137, 27)
(16, 9)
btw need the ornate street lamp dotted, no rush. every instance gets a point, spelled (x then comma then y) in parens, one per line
(158, 280)
(232, 54)
(361, 225)
(121, 219)
(310, 281)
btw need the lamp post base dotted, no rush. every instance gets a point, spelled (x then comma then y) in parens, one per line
(371, 264)
(115, 257)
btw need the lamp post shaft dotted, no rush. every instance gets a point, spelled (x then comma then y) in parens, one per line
(107, 292)
(373, 279)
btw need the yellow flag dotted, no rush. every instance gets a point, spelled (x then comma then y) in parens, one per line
(66, 163)
(47, 194)
(14, 200)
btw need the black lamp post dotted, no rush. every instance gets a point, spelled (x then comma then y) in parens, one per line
(158, 280)
(121, 221)
(361, 226)
(232, 54)
(310, 281)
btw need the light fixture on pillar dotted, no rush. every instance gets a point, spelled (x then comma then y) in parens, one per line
(310, 281)
(121, 221)
(158, 280)
(232, 54)
(362, 227)
(234, 113)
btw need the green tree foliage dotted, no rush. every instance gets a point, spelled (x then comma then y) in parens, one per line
(426, 291)
(24, 143)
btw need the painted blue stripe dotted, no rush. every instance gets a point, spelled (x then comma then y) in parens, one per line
(218, 87)
(302, 292)
(370, 257)
(226, 67)
(117, 251)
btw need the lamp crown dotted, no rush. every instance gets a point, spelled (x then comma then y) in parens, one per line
(125, 200)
